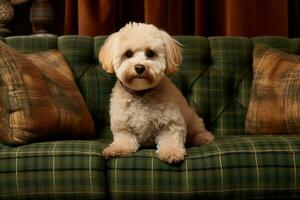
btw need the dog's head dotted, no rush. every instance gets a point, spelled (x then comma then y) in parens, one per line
(140, 55)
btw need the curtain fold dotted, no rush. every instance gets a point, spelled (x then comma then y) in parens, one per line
(100, 15)
(155, 12)
(256, 17)
(193, 17)
(71, 17)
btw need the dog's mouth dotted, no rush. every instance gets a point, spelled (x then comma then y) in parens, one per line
(141, 77)
(129, 78)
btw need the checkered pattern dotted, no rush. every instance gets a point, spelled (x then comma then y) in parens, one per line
(52, 170)
(275, 87)
(33, 86)
(216, 78)
(94, 83)
(32, 44)
(233, 167)
(221, 71)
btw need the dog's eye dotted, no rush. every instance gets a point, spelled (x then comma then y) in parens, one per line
(149, 53)
(128, 53)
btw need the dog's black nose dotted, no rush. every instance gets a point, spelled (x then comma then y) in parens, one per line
(139, 69)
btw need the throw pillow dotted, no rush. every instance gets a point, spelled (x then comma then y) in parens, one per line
(274, 106)
(39, 99)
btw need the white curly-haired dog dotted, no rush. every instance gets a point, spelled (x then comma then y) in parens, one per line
(146, 108)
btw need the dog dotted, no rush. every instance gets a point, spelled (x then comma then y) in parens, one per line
(146, 108)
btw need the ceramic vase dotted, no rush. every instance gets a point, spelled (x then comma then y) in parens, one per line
(6, 15)
(41, 16)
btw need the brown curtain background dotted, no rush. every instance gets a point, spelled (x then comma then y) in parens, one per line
(189, 17)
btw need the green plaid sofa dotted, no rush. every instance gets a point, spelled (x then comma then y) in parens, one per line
(215, 77)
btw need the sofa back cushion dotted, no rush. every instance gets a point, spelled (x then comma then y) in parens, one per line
(215, 75)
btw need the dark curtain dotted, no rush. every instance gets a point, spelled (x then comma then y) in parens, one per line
(190, 17)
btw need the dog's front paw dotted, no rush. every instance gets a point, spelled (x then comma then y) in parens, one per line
(117, 150)
(203, 138)
(171, 154)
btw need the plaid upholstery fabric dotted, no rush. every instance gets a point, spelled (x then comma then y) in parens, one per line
(276, 87)
(35, 86)
(52, 170)
(31, 44)
(219, 86)
(51, 58)
(94, 83)
(233, 167)
(216, 79)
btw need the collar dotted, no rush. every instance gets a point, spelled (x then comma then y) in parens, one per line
(139, 93)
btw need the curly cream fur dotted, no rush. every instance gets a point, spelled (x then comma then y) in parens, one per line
(148, 110)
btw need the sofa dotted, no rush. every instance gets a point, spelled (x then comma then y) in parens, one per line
(215, 77)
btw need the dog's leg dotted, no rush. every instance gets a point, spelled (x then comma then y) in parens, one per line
(170, 144)
(123, 144)
(197, 133)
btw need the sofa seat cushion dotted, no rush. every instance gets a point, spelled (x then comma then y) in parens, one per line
(250, 167)
(53, 170)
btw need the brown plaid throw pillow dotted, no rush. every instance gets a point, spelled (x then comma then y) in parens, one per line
(274, 106)
(39, 99)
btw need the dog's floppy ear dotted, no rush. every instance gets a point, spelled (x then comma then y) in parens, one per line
(173, 52)
(106, 54)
